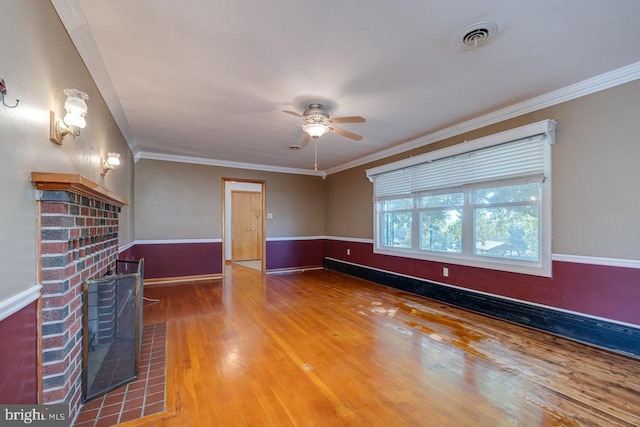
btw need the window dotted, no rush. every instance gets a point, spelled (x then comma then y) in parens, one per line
(484, 203)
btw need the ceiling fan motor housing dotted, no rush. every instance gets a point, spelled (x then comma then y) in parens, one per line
(316, 114)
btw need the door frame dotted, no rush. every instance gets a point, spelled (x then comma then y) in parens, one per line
(225, 202)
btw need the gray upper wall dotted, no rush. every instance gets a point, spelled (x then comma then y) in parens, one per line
(596, 176)
(184, 201)
(38, 62)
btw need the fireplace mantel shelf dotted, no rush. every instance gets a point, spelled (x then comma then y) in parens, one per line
(76, 184)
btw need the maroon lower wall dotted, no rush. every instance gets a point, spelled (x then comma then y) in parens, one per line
(162, 260)
(19, 357)
(284, 254)
(177, 259)
(596, 290)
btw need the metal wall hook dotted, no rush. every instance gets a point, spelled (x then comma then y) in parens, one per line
(3, 92)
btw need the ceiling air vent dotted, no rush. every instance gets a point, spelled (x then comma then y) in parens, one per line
(477, 34)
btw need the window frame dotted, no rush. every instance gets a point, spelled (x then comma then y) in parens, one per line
(467, 256)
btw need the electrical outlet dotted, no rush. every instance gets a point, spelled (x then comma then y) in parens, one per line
(348, 251)
(445, 271)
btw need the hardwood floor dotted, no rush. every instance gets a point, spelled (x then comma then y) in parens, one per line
(324, 349)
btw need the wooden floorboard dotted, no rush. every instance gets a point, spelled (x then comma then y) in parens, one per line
(321, 348)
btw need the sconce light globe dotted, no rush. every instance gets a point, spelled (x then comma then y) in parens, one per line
(113, 159)
(76, 108)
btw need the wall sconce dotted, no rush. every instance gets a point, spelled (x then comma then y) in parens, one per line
(112, 162)
(73, 121)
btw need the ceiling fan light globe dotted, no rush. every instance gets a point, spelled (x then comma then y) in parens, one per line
(315, 130)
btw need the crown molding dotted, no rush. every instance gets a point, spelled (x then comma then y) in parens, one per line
(586, 87)
(224, 163)
(74, 21)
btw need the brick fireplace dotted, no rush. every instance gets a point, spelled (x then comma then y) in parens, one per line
(78, 241)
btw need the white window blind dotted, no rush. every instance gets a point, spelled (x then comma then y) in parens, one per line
(523, 158)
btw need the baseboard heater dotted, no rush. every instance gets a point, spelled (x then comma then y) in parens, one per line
(612, 336)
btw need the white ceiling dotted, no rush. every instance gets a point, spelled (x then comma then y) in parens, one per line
(203, 80)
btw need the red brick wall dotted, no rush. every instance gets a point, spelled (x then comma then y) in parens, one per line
(79, 241)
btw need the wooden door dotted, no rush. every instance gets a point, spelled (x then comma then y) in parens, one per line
(246, 225)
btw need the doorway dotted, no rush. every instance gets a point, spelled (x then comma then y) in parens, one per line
(244, 226)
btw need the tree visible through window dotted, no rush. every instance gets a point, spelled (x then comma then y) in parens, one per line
(441, 222)
(505, 221)
(486, 207)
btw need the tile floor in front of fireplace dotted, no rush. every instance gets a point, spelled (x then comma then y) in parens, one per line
(143, 397)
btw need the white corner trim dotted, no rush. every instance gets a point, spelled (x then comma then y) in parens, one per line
(219, 240)
(586, 87)
(612, 262)
(175, 241)
(19, 301)
(285, 239)
(350, 239)
(225, 163)
(125, 247)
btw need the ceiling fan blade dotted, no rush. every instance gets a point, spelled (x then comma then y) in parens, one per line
(346, 133)
(354, 119)
(305, 141)
(293, 113)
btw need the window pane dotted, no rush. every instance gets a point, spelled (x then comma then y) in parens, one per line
(441, 200)
(396, 229)
(441, 230)
(506, 232)
(508, 194)
(398, 204)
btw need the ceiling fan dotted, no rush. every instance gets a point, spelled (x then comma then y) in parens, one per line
(318, 122)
